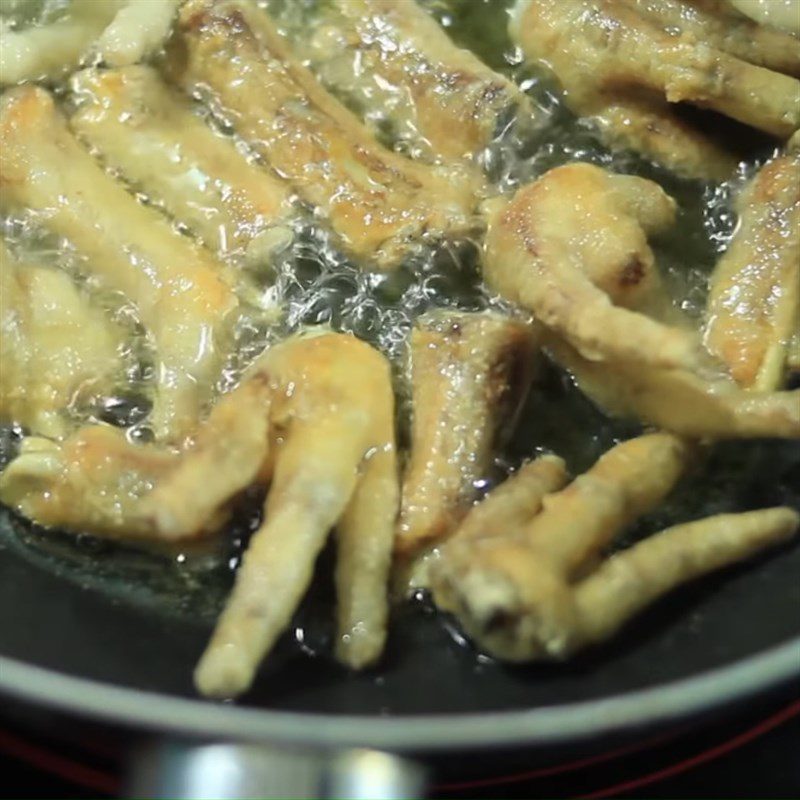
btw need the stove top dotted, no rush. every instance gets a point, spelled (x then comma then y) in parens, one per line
(751, 754)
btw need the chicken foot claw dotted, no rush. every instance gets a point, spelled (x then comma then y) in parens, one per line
(653, 55)
(531, 590)
(332, 461)
(469, 374)
(572, 248)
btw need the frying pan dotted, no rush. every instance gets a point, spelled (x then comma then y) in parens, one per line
(94, 647)
(107, 647)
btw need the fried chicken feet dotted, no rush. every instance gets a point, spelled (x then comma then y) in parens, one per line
(393, 61)
(572, 248)
(315, 418)
(624, 62)
(149, 133)
(54, 345)
(754, 298)
(178, 288)
(469, 374)
(378, 203)
(528, 584)
(332, 463)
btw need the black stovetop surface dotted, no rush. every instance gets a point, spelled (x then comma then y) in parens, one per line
(753, 753)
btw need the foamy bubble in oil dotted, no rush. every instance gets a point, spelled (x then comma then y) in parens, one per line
(313, 282)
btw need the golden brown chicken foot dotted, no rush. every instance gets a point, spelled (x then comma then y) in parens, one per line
(715, 23)
(503, 603)
(631, 580)
(149, 133)
(650, 56)
(392, 59)
(556, 546)
(98, 482)
(316, 415)
(601, 49)
(647, 125)
(572, 248)
(176, 286)
(332, 423)
(681, 401)
(379, 203)
(577, 229)
(54, 346)
(469, 374)
(754, 298)
(532, 586)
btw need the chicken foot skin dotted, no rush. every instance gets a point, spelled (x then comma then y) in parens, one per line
(538, 590)
(46, 51)
(396, 63)
(54, 345)
(148, 132)
(178, 288)
(718, 24)
(376, 201)
(572, 247)
(602, 50)
(469, 374)
(97, 481)
(333, 463)
(753, 308)
(679, 400)
(314, 418)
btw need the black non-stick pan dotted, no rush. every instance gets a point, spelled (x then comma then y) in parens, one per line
(97, 646)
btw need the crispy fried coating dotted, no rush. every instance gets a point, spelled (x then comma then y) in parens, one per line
(138, 30)
(54, 345)
(627, 61)
(573, 243)
(469, 374)
(572, 247)
(377, 202)
(511, 591)
(754, 298)
(178, 288)
(46, 51)
(150, 135)
(97, 481)
(314, 418)
(537, 589)
(393, 62)
(332, 461)
(681, 401)
(634, 578)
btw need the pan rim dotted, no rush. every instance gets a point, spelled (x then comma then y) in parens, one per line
(549, 725)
